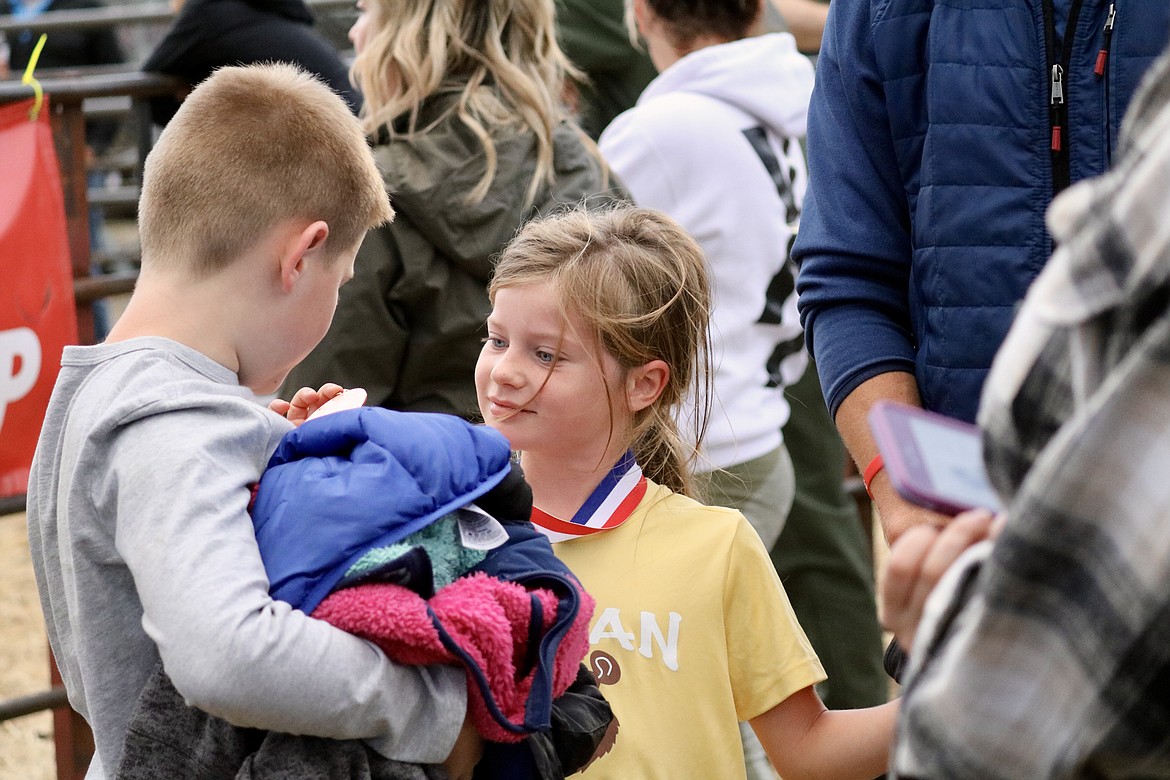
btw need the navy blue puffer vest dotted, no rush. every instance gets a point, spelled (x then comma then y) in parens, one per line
(968, 89)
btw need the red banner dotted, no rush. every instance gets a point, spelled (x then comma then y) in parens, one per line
(37, 316)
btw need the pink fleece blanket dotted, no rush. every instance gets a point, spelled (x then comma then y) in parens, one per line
(488, 618)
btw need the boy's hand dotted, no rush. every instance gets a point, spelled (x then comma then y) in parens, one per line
(918, 560)
(468, 750)
(305, 402)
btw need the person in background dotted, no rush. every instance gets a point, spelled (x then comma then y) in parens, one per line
(937, 137)
(597, 39)
(599, 333)
(1044, 653)
(208, 34)
(462, 101)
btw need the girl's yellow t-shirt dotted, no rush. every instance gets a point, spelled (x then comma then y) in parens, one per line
(692, 633)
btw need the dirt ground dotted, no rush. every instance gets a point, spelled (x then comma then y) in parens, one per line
(26, 744)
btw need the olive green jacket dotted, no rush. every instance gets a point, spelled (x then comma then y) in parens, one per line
(409, 325)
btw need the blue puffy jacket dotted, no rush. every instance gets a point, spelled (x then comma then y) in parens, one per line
(345, 483)
(935, 146)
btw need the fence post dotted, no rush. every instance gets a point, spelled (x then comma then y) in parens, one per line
(69, 135)
(71, 735)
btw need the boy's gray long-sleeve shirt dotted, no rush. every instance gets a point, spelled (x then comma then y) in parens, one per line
(143, 548)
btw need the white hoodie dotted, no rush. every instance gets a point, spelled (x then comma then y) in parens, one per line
(699, 145)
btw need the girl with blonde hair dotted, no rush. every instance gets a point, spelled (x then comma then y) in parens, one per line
(462, 99)
(597, 336)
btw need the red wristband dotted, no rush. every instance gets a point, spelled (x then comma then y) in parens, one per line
(875, 465)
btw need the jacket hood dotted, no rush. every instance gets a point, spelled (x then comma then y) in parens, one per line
(777, 94)
(428, 178)
(347, 482)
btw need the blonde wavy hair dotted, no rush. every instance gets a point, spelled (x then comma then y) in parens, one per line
(639, 283)
(500, 57)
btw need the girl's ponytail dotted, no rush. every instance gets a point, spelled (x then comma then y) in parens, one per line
(664, 456)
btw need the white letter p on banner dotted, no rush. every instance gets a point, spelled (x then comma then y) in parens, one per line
(20, 365)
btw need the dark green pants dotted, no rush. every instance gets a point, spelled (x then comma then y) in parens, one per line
(824, 560)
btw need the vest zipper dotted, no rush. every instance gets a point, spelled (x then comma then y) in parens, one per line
(1058, 61)
(1107, 37)
(1100, 70)
(1056, 104)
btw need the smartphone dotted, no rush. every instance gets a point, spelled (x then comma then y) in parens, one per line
(932, 460)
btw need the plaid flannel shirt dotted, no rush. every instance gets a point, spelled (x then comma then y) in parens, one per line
(1047, 653)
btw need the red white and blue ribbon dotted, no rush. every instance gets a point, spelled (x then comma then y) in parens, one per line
(611, 504)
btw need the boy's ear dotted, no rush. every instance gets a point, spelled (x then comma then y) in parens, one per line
(645, 384)
(301, 242)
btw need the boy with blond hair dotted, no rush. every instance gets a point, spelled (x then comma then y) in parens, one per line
(254, 202)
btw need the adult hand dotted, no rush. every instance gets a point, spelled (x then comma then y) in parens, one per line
(468, 750)
(918, 560)
(897, 515)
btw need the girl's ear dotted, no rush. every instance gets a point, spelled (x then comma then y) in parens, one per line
(645, 383)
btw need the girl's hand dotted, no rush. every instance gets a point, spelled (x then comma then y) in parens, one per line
(918, 560)
(304, 402)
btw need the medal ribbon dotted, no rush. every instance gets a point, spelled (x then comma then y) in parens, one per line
(609, 505)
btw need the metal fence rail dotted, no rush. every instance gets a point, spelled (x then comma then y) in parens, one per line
(116, 16)
(11, 505)
(33, 703)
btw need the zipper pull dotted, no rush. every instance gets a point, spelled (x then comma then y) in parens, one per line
(1057, 98)
(1103, 55)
